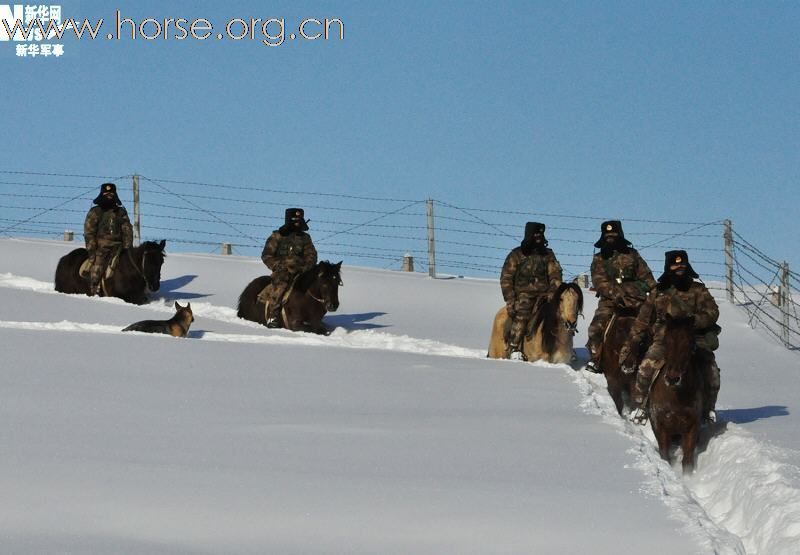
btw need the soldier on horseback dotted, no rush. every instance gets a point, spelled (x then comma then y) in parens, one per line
(530, 276)
(621, 278)
(677, 296)
(288, 252)
(107, 230)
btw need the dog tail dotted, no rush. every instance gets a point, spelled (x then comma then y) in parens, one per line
(149, 326)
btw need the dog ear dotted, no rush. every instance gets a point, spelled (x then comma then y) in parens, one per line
(162, 244)
(177, 306)
(189, 306)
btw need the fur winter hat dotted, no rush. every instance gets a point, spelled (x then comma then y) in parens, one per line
(107, 188)
(677, 258)
(611, 226)
(532, 228)
(294, 215)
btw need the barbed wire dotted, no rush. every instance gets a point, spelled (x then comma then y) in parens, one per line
(381, 230)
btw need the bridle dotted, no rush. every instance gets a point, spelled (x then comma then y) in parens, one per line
(141, 271)
(322, 301)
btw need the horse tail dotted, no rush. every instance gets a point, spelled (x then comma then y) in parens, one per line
(247, 307)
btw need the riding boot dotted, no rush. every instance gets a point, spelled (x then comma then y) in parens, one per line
(274, 316)
(594, 357)
(513, 353)
(640, 389)
(710, 406)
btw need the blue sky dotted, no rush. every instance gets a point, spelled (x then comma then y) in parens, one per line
(635, 110)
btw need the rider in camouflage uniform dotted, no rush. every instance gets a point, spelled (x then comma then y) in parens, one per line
(288, 252)
(107, 229)
(531, 274)
(621, 278)
(677, 295)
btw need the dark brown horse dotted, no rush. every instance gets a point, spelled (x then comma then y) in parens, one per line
(138, 271)
(676, 396)
(314, 293)
(620, 382)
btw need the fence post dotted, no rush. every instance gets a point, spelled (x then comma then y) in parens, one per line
(408, 262)
(786, 299)
(137, 230)
(69, 235)
(226, 248)
(431, 242)
(728, 236)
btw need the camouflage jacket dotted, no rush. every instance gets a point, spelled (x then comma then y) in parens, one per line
(622, 274)
(105, 228)
(293, 253)
(529, 274)
(695, 302)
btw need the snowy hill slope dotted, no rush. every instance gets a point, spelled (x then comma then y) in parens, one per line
(393, 435)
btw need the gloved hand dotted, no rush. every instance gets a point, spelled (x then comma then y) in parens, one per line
(510, 309)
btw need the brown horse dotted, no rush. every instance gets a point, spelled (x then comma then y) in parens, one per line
(138, 271)
(676, 395)
(553, 327)
(619, 381)
(314, 293)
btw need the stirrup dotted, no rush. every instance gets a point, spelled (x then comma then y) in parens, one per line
(593, 367)
(517, 355)
(640, 416)
(273, 323)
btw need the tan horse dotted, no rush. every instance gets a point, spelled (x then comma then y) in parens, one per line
(554, 327)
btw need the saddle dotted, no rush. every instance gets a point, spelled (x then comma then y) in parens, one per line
(529, 331)
(85, 270)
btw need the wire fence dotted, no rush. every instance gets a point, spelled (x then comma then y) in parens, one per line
(380, 232)
(765, 288)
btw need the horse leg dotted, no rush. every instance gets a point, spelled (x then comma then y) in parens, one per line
(497, 343)
(319, 328)
(615, 390)
(664, 439)
(688, 444)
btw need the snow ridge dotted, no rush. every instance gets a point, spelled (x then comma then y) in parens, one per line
(743, 497)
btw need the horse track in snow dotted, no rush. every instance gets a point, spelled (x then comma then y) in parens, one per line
(743, 497)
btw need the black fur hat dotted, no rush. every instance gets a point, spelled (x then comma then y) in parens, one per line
(611, 226)
(532, 228)
(107, 188)
(528, 245)
(677, 257)
(293, 215)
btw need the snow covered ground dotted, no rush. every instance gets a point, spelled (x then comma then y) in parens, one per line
(393, 435)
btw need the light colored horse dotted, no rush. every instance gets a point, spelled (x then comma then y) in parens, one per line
(554, 328)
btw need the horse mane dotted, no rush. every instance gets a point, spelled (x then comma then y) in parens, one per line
(679, 341)
(547, 316)
(309, 277)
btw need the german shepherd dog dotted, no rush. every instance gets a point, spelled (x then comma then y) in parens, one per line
(177, 326)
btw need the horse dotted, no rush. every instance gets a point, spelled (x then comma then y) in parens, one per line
(676, 394)
(554, 327)
(138, 271)
(313, 293)
(619, 382)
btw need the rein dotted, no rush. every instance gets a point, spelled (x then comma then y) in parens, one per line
(145, 252)
(320, 301)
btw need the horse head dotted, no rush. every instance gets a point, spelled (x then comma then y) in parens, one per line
(152, 258)
(329, 278)
(570, 305)
(679, 349)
